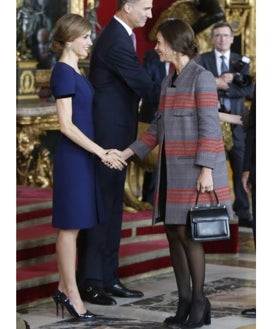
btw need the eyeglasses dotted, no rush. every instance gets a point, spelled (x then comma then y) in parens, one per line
(224, 36)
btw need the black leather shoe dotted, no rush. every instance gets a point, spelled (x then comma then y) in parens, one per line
(249, 313)
(97, 296)
(119, 290)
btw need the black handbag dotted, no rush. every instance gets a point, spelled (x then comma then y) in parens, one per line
(209, 223)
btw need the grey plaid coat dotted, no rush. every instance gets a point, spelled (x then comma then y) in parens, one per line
(187, 121)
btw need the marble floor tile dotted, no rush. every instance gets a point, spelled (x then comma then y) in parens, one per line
(230, 289)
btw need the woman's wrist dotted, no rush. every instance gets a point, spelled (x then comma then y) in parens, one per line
(127, 153)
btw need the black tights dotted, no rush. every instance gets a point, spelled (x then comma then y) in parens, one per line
(188, 259)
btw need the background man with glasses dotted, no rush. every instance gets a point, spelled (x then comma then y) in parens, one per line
(234, 84)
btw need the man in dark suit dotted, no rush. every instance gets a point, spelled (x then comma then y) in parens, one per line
(249, 175)
(157, 70)
(120, 82)
(234, 85)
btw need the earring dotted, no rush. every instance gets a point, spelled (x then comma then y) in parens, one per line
(68, 45)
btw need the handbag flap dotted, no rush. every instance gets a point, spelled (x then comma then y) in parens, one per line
(208, 214)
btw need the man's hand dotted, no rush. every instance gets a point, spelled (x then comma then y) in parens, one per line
(224, 80)
(244, 179)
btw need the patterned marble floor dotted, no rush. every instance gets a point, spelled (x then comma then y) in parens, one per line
(230, 287)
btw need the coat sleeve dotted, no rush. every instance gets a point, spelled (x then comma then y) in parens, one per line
(210, 140)
(148, 141)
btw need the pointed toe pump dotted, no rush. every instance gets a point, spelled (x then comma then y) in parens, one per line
(61, 299)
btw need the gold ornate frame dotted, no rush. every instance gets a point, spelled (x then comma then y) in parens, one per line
(76, 6)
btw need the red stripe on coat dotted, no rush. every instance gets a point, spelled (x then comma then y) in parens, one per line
(207, 100)
(178, 196)
(181, 148)
(149, 139)
(181, 101)
(212, 145)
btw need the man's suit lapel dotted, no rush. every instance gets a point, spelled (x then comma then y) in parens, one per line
(212, 64)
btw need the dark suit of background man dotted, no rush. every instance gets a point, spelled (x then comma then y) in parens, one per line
(233, 91)
(249, 175)
(157, 71)
(120, 82)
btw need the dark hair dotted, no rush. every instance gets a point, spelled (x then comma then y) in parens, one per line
(180, 36)
(121, 3)
(219, 25)
(68, 28)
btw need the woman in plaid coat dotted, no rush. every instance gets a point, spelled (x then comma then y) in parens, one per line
(191, 157)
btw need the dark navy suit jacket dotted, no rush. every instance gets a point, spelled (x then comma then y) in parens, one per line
(119, 81)
(157, 71)
(250, 143)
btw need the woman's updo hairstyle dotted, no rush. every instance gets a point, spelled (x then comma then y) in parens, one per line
(68, 28)
(180, 36)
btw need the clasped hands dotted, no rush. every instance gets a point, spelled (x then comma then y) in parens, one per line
(114, 159)
(118, 160)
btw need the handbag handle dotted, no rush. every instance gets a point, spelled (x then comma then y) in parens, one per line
(215, 194)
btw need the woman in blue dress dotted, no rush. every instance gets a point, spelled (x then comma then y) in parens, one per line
(76, 195)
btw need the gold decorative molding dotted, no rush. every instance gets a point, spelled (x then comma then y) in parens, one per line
(241, 14)
(76, 7)
(185, 10)
(33, 120)
(43, 77)
(241, 3)
(26, 80)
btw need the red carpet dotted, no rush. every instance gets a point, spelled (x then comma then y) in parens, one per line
(32, 195)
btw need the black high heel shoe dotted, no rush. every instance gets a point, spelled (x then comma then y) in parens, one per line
(181, 314)
(205, 319)
(60, 298)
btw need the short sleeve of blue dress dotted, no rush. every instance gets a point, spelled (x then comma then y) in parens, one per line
(62, 81)
(77, 202)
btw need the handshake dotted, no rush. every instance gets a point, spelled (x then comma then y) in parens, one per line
(116, 159)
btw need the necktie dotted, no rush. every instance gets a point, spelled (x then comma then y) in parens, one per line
(224, 69)
(133, 38)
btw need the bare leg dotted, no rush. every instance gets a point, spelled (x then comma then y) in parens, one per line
(66, 259)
